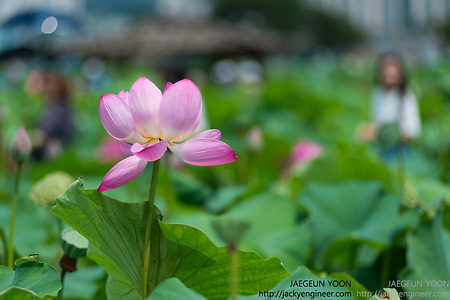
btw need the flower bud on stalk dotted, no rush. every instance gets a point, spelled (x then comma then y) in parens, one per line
(20, 147)
(20, 150)
(255, 139)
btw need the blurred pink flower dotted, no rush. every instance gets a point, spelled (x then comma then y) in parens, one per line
(109, 150)
(35, 82)
(20, 148)
(148, 122)
(305, 151)
(255, 138)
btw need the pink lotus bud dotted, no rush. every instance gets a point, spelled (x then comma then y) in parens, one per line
(255, 138)
(20, 147)
(305, 151)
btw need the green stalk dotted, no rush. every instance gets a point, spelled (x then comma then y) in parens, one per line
(352, 257)
(385, 269)
(401, 170)
(13, 217)
(167, 190)
(60, 292)
(234, 272)
(148, 227)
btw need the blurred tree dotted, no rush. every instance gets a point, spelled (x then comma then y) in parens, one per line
(325, 29)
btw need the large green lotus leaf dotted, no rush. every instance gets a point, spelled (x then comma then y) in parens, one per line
(17, 293)
(274, 229)
(354, 210)
(292, 246)
(36, 230)
(391, 294)
(427, 193)
(116, 233)
(173, 288)
(351, 288)
(83, 284)
(285, 125)
(105, 223)
(269, 233)
(30, 280)
(348, 253)
(267, 213)
(205, 267)
(351, 166)
(6, 277)
(189, 189)
(283, 238)
(224, 198)
(428, 257)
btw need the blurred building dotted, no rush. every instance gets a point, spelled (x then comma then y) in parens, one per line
(11, 8)
(22, 23)
(406, 25)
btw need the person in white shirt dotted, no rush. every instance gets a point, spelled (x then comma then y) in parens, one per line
(393, 105)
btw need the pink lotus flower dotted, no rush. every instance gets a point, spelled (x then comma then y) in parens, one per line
(305, 151)
(148, 122)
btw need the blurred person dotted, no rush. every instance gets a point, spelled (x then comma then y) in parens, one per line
(394, 109)
(56, 129)
(34, 83)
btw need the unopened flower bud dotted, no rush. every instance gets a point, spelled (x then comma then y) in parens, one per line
(229, 229)
(255, 138)
(20, 147)
(305, 151)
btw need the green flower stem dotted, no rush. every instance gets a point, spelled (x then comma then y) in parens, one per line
(385, 270)
(234, 272)
(148, 227)
(67, 264)
(352, 257)
(62, 277)
(13, 217)
(168, 190)
(401, 168)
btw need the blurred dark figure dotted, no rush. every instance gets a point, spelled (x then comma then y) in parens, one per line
(56, 129)
(394, 109)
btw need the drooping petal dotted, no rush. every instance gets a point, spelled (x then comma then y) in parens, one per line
(150, 153)
(180, 108)
(117, 120)
(123, 172)
(144, 100)
(211, 134)
(204, 152)
(126, 148)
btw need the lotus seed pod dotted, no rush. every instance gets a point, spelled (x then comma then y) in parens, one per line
(46, 190)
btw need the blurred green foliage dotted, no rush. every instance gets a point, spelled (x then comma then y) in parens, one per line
(324, 100)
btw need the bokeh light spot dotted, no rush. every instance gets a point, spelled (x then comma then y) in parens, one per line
(49, 25)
